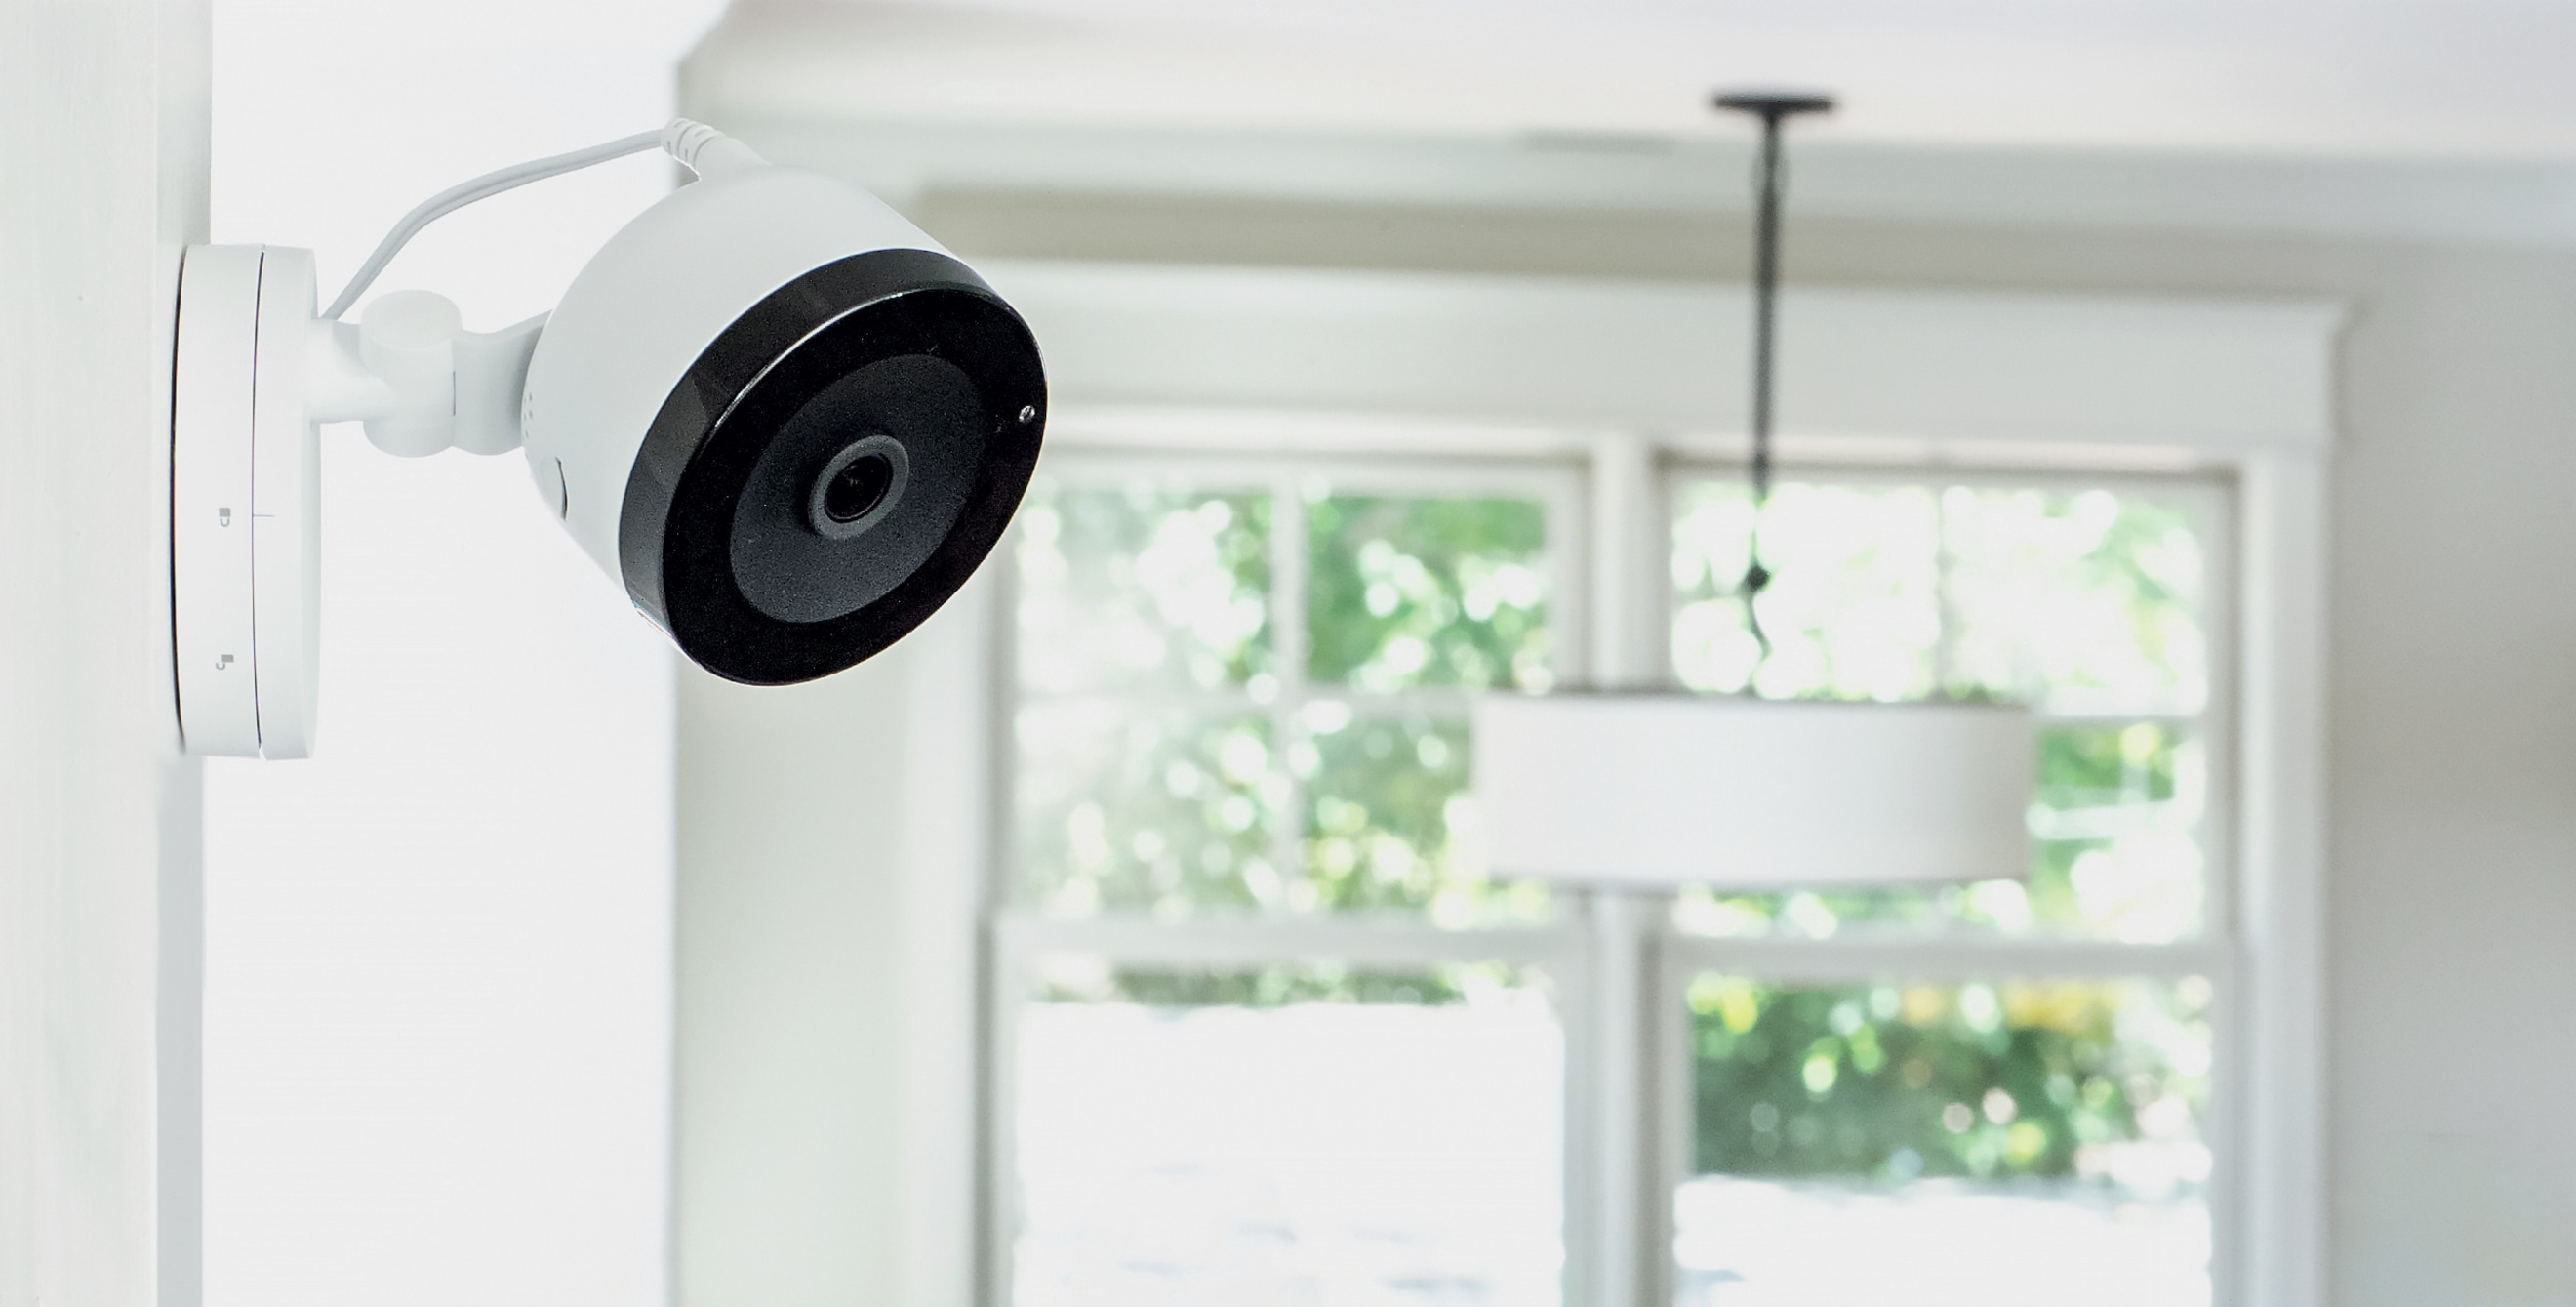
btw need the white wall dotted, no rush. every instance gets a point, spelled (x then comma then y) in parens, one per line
(830, 840)
(103, 152)
(2454, 805)
(438, 991)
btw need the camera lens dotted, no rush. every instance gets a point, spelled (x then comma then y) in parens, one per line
(858, 488)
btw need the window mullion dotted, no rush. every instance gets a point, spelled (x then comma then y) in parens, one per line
(1945, 639)
(1962, 958)
(1617, 1228)
(1288, 660)
(1270, 940)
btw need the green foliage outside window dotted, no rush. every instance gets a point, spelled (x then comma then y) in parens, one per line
(1894, 1082)
(1415, 592)
(1897, 592)
(1140, 588)
(1132, 592)
(1165, 811)
(1385, 798)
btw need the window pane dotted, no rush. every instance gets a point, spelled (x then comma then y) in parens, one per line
(2087, 600)
(1427, 592)
(1169, 761)
(1994, 1144)
(1387, 800)
(2115, 826)
(1853, 609)
(1139, 587)
(1166, 811)
(1291, 1135)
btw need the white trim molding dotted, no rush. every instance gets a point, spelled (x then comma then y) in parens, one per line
(1864, 373)
(2281, 859)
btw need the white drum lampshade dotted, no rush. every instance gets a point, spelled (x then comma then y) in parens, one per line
(1741, 793)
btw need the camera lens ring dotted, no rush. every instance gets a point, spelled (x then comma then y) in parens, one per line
(858, 487)
(907, 307)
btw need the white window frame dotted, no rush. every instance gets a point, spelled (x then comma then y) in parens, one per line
(1018, 938)
(1611, 377)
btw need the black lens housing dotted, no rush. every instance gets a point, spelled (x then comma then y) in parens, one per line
(930, 336)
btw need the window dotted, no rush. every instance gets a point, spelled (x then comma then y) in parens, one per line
(1928, 1141)
(1265, 1031)
(1902, 1072)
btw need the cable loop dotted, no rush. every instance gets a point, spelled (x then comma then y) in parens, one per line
(485, 187)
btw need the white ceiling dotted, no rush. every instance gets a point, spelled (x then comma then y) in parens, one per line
(2442, 118)
(2481, 79)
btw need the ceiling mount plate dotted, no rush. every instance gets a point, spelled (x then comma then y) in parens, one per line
(245, 547)
(1772, 106)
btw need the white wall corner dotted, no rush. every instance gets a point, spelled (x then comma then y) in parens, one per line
(2283, 853)
(830, 844)
(103, 115)
(950, 844)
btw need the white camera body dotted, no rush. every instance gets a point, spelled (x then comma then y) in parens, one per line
(785, 420)
(652, 300)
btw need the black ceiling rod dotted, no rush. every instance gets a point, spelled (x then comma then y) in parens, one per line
(1773, 108)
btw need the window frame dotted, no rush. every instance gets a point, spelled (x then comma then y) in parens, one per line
(1618, 965)
(1017, 937)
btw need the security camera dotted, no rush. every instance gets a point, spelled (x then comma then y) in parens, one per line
(789, 423)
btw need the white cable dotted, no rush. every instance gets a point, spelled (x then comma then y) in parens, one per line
(695, 145)
(704, 150)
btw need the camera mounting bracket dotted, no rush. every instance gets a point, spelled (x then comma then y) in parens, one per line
(677, 411)
(256, 372)
(245, 570)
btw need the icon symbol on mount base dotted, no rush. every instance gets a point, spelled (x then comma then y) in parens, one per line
(223, 662)
(223, 517)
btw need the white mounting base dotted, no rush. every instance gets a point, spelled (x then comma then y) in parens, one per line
(245, 545)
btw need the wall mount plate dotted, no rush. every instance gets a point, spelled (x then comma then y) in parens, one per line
(245, 544)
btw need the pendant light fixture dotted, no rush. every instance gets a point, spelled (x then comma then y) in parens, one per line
(1734, 791)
